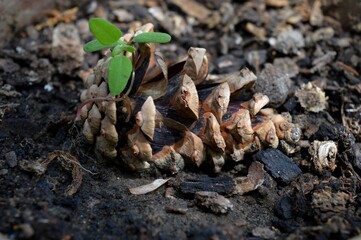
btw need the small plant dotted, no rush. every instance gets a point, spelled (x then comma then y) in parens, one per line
(120, 66)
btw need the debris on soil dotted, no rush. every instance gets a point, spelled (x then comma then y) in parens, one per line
(280, 166)
(216, 203)
(312, 98)
(68, 161)
(148, 187)
(327, 202)
(323, 155)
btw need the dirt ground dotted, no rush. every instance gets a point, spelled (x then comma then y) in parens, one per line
(42, 70)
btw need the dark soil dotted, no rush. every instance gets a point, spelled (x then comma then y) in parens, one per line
(40, 85)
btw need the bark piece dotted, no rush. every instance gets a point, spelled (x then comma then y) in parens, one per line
(281, 167)
(221, 185)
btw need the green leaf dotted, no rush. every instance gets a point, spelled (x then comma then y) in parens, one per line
(104, 31)
(155, 37)
(95, 45)
(120, 69)
(127, 48)
(116, 50)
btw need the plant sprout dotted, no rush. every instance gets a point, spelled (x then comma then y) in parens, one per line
(107, 35)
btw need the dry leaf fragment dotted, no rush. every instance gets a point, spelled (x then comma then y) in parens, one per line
(148, 187)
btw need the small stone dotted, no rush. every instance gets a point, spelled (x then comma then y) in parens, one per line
(213, 201)
(274, 83)
(280, 166)
(11, 159)
(3, 172)
(289, 42)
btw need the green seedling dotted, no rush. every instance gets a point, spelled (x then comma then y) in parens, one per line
(107, 35)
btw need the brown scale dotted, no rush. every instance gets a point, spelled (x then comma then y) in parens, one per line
(165, 100)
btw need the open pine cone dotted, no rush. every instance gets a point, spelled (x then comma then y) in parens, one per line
(176, 115)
